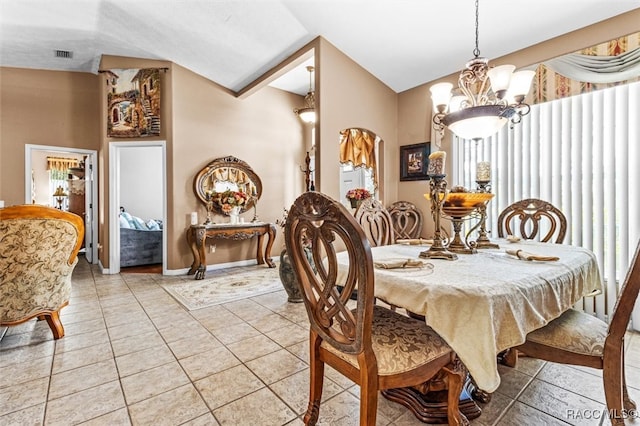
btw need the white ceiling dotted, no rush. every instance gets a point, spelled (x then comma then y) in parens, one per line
(404, 43)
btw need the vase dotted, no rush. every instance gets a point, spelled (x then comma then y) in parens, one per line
(288, 278)
(234, 215)
(355, 203)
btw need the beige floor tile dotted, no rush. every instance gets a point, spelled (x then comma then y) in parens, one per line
(259, 408)
(558, 402)
(204, 420)
(276, 366)
(115, 418)
(143, 360)
(301, 350)
(25, 371)
(235, 333)
(270, 322)
(520, 414)
(194, 345)
(512, 381)
(84, 340)
(170, 408)
(71, 381)
(294, 390)
(290, 335)
(152, 382)
(16, 355)
(205, 364)
(253, 348)
(247, 309)
(126, 330)
(492, 410)
(24, 395)
(73, 359)
(177, 331)
(84, 327)
(573, 379)
(344, 410)
(137, 343)
(227, 386)
(33, 415)
(85, 405)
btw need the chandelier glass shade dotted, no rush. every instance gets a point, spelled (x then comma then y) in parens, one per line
(308, 112)
(485, 99)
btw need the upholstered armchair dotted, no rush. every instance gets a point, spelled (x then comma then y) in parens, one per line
(38, 251)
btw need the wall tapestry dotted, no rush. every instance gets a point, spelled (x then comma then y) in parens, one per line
(133, 103)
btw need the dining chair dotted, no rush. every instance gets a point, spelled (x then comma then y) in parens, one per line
(578, 338)
(528, 216)
(406, 219)
(371, 345)
(376, 222)
(38, 251)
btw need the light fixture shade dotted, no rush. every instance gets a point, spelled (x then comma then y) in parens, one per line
(456, 103)
(500, 78)
(476, 123)
(441, 95)
(521, 83)
(308, 115)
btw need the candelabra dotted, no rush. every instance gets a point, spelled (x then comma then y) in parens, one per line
(483, 242)
(209, 204)
(437, 194)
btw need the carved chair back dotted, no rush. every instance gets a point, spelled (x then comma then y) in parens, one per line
(406, 219)
(530, 217)
(375, 222)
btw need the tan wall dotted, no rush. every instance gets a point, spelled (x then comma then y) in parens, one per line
(38, 107)
(261, 129)
(349, 96)
(414, 105)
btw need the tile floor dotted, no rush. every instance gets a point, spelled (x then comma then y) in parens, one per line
(133, 355)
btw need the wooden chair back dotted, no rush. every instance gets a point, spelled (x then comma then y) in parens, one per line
(317, 221)
(375, 222)
(371, 345)
(526, 216)
(406, 219)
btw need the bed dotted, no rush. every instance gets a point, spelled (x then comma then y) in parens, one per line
(140, 241)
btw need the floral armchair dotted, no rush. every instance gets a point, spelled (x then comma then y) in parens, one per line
(38, 252)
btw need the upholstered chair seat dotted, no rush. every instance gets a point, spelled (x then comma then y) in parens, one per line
(575, 332)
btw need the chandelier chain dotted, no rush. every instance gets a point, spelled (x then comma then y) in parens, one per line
(476, 51)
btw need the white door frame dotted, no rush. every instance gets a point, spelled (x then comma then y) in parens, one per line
(93, 219)
(114, 201)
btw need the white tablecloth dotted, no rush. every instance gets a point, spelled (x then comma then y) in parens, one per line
(484, 303)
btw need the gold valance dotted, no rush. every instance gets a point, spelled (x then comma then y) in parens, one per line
(61, 164)
(358, 147)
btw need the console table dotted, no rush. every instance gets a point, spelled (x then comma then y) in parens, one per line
(197, 235)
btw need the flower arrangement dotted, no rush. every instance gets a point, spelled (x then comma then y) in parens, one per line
(358, 194)
(228, 199)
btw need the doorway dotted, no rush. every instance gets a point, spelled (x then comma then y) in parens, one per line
(133, 183)
(90, 188)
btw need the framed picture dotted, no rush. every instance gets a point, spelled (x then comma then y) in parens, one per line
(414, 160)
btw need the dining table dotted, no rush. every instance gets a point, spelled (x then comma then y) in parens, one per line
(484, 303)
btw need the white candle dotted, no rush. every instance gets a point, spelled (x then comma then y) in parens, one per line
(483, 171)
(436, 163)
(194, 218)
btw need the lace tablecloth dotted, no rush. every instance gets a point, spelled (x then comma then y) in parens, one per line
(484, 303)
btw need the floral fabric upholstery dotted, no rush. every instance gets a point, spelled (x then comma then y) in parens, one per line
(573, 331)
(35, 274)
(400, 343)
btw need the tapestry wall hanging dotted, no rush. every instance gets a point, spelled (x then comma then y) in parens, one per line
(133, 103)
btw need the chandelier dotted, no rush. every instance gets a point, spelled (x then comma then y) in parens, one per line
(308, 112)
(485, 100)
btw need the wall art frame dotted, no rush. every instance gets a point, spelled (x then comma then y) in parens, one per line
(414, 161)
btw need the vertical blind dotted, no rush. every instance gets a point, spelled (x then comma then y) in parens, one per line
(581, 154)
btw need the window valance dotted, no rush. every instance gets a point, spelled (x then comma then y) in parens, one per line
(358, 147)
(61, 164)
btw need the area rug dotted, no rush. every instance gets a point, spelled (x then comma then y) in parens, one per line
(225, 287)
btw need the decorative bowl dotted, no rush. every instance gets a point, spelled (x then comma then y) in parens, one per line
(467, 199)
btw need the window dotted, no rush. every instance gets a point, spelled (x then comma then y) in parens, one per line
(582, 154)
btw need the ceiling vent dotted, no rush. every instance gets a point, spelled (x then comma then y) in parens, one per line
(66, 54)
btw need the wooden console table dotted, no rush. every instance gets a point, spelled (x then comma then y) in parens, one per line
(197, 234)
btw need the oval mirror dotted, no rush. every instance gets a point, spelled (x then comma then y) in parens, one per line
(228, 173)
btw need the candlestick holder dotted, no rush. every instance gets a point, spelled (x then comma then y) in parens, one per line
(483, 242)
(255, 210)
(209, 205)
(437, 194)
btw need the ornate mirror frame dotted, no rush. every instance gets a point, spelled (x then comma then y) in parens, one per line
(228, 171)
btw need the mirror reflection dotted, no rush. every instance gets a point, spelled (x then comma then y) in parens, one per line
(228, 174)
